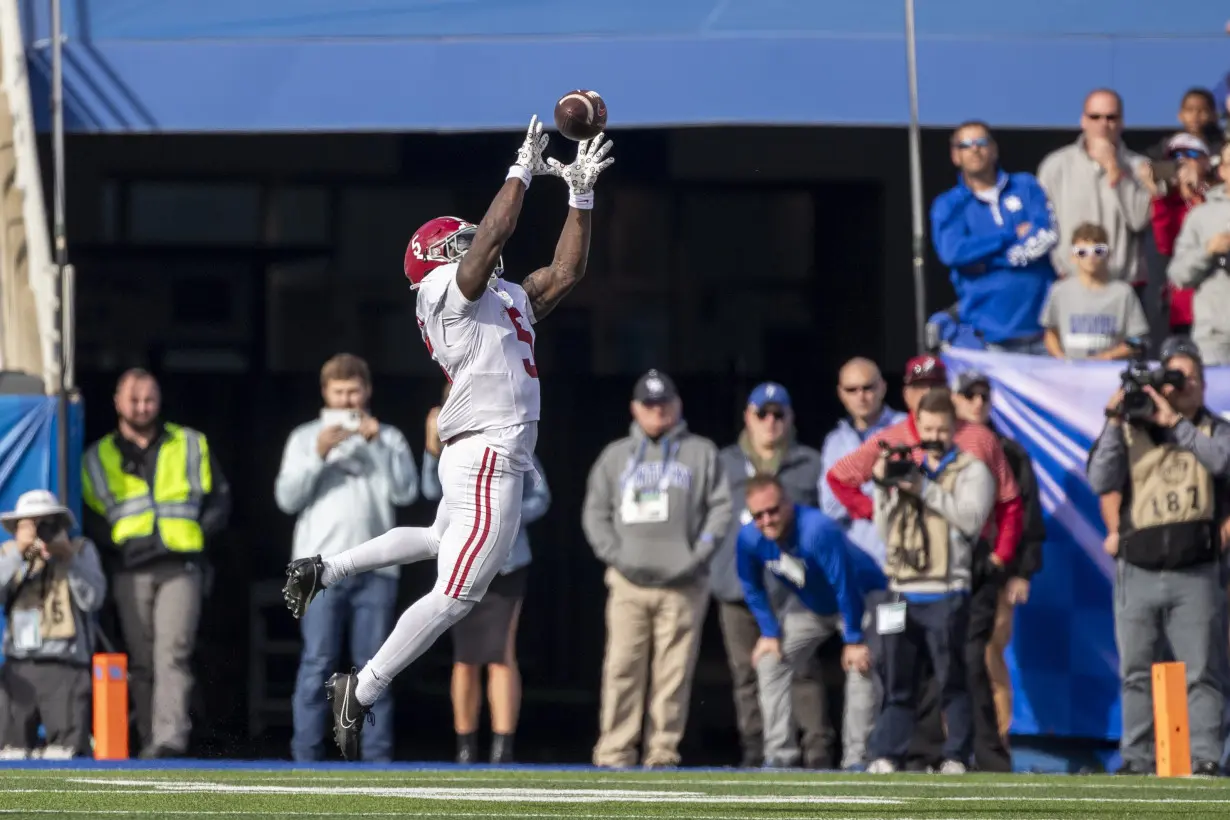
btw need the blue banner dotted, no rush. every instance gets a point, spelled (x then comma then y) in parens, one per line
(1064, 665)
(28, 448)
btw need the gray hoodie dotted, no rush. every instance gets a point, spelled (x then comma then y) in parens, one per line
(673, 551)
(1192, 267)
(1080, 192)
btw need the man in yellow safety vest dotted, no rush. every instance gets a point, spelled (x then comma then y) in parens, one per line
(154, 493)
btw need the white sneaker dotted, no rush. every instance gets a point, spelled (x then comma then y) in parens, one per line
(952, 767)
(881, 766)
(13, 753)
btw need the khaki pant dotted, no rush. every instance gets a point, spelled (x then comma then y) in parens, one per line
(652, 637)
(159, 608)
(997, 667)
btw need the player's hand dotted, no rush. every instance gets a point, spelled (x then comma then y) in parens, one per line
(765, 648)
(369, 427)
(583, 172)
(329, 438)
(529, 155)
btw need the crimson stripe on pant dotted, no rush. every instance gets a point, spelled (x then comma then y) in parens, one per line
(480, 512)
(465, 573)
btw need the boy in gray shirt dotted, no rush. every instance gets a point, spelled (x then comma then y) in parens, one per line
(1088, 316)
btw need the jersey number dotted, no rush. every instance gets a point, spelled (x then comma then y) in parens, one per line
(430, 349)
(1174, 502)
(524, 335)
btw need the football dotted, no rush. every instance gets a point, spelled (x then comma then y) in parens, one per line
(580, 115)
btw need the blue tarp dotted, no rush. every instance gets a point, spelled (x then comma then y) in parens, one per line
(458, 65)
(28, 432)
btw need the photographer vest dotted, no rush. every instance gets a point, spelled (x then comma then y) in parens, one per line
(920, 542)
(1169, 511)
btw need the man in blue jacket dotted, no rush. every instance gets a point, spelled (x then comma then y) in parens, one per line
(826, 578)
(995, 231)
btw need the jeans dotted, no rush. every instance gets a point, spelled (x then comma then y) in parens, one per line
(364, 603)
(1030, 346)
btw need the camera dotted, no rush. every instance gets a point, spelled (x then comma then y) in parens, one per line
(900, 464)
(48, 529)
(1137, 405)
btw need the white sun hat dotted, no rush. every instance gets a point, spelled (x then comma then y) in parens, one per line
(36, 504)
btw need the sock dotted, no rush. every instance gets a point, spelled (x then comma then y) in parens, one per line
(400, 545)
(501, 748)
(467, 747)
(418, 628)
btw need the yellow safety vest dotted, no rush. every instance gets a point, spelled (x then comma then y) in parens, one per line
(172, 509)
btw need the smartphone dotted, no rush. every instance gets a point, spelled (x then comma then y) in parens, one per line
(346, 419)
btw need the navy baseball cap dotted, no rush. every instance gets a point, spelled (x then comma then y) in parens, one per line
(1180, 346)
(769, 393)
(654, 386)
(970, 379)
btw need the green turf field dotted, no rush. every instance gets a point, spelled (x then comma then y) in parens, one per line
(541, 793)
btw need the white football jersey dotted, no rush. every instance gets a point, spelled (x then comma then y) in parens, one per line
(486, 349)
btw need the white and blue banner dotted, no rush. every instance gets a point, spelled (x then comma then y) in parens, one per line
(1063, 661)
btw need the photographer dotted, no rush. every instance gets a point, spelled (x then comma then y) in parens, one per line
(50, 585)
(1162, 460)
(930, 516)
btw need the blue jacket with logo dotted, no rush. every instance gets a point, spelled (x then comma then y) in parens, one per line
(1001, 278)
(837, 575)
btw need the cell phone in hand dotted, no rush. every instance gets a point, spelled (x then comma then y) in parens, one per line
(345, 418)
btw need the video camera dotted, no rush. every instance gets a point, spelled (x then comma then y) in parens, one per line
(1137, 405)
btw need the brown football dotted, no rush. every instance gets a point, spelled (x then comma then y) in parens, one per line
(580, 115)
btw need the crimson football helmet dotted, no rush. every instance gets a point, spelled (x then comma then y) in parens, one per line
(441, 241)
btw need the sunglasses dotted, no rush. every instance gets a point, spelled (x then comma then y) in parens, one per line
(1188, 153)
(981, 395)
(1098, 250)
(1107, 117)
(976, 142)
(851, 389)
(764, 413)
(766, 513)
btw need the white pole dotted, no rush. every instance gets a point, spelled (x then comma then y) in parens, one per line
(63, 282)
(916, 194)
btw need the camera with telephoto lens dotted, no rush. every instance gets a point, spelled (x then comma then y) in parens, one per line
(1138, 406)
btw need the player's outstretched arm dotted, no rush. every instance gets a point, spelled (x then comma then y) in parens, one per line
(500, 221)
(547, 286)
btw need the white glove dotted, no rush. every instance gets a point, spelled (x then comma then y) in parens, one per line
(583, 173)
(529, 162)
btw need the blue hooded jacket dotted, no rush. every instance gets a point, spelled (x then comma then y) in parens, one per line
(1001, 278)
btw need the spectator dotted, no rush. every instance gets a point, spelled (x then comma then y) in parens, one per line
(1170, 468)
(155, 494)
(51, 585)
(929, 517)
(994, 231)
(656, 507)
(992, 604)
(488, 635)
(1173, 198)
(766, 446)
(1094, 180)
(341, 475)
(861, 389)
(1198, 116)
(1200, 262)
(1088, 316)
(827, 578)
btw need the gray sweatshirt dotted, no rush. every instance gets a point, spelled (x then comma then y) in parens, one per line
(1192, 267)
(1108, 460)
(657, 510)
(1080, 192)
(87, 587)
(966, 509)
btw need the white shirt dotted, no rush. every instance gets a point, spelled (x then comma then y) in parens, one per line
(486, 349)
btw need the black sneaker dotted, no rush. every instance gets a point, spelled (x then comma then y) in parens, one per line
(348, 713)
(1206, 768)
(302, 584)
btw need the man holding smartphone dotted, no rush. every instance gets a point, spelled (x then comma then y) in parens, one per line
(342, 474)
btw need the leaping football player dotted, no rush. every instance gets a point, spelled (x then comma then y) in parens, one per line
(480, 329)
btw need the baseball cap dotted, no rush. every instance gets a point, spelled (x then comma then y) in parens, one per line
(967, 381)
(1184, 141)
(925, 369)
(1180, 346)
(654, 386)
(769, 393)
